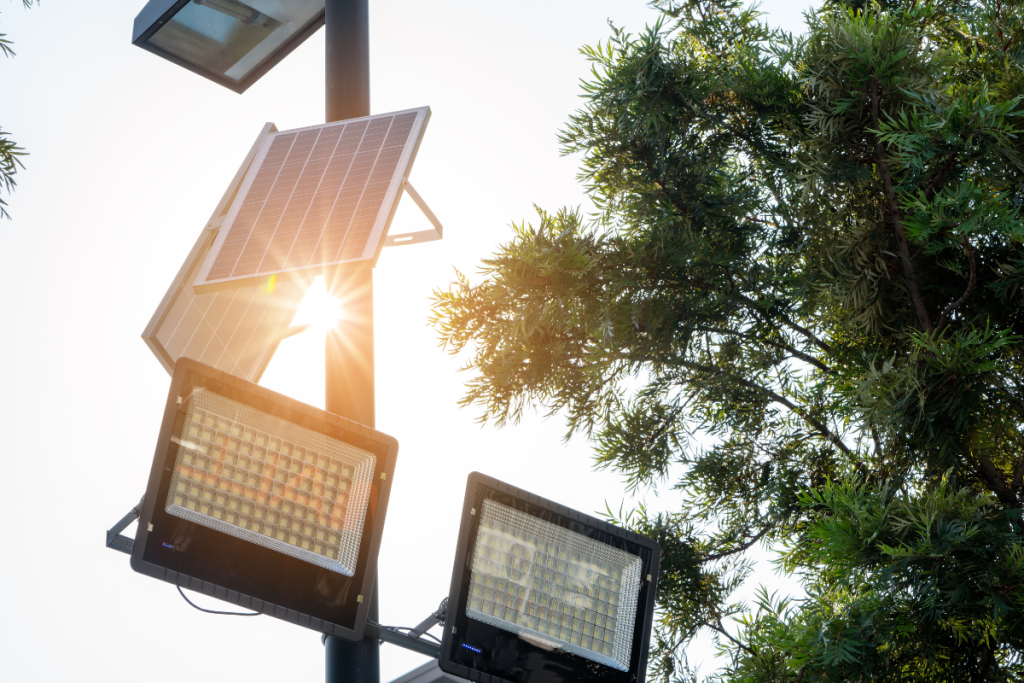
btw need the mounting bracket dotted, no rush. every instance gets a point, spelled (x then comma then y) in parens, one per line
(114, 538)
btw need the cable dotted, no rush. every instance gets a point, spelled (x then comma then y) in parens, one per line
(213, 611)
(429, 635)
(399, 629)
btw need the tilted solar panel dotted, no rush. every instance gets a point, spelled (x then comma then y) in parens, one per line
(234, 331)
(315, 198)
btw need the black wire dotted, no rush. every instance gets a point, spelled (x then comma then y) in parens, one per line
(434, 637)
(399, 629)
(213, 611)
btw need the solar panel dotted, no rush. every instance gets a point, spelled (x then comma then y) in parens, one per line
(234, 331)
(315, 198)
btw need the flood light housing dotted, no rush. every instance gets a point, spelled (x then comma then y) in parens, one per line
(231, 42)
(265, 502)
(544, 594)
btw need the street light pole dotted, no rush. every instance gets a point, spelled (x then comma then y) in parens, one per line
(349, 380)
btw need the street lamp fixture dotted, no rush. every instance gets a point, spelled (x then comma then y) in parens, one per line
(231, 42)
(265, 502)
(538, 587)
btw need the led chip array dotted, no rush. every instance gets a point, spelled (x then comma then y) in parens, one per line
(541, 580)
(272, 482)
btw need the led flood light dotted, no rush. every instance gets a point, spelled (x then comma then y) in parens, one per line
(265, 502)
(544, 594)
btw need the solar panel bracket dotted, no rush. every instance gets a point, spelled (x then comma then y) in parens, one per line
(422, 235)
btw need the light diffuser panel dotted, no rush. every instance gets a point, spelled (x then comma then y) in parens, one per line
(262, 479)
(540, 580)
(315, 198)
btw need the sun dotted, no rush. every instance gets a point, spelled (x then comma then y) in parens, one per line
(319, 310)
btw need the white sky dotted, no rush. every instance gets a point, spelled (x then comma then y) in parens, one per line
(129, 155)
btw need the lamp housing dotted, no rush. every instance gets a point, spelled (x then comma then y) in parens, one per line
(231, 42)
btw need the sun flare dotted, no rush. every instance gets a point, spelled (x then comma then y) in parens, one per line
(318, 309)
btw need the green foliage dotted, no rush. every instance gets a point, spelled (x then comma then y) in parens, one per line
(902, 586)
(801, 304)
(10, 153)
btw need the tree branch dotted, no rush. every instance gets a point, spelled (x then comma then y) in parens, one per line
(740, 548)
(971, 280)
(1018, 476)
(995, 480)
(806, 333)
(936, 180)
(803, 331)
(778, 398)
(721, 629)
(779, 345)
(895, 213)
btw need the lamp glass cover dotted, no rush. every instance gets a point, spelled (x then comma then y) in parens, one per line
(554, 587)
(230, 37)
(271, 482)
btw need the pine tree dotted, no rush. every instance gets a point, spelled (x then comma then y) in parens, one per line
(800, 302)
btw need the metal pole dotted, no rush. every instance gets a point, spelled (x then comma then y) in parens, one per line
(347, 34)
(349, 349)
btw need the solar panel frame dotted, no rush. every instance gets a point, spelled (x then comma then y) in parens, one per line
(274, 194)
(260, 351)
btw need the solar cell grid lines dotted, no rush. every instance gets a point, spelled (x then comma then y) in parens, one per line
(235, 331)
(315, 197)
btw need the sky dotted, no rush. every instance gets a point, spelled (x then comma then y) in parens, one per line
(129, 154)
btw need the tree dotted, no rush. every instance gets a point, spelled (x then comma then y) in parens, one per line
(10, 153)
(800, 302)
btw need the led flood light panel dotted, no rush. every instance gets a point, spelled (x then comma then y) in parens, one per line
(235, 331)
(315, 198)
(265, 502)
(534, 578)
(544, 594)
(268, 481)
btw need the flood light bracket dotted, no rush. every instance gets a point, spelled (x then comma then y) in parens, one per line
(436, 617)
(115, 540)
